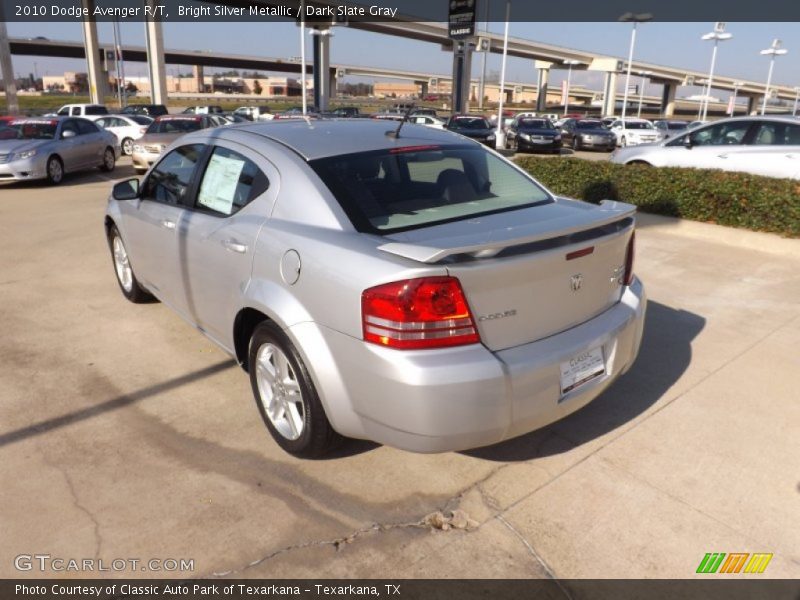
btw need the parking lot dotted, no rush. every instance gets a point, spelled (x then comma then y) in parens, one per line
(126, 434)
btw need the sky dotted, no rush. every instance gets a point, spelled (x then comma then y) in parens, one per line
(668, 44)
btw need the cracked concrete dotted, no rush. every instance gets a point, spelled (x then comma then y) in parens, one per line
(124, 433)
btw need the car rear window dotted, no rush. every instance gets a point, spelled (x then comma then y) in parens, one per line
(175, 125)
(96, 110)
(140, 119)
(408, 188)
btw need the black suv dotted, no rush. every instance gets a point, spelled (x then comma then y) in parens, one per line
(151, 110)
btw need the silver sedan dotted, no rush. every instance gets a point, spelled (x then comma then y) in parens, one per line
(408, 286)
(48, 148)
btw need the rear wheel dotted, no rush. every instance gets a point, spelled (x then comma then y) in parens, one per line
(55, 170)
(623, 142)
(286, 396)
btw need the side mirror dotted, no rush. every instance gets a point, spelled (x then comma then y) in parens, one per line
(65, 135)
(687, 142)
(126, 190)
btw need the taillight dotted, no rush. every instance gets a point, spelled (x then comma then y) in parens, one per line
(628, 279)
(429, 312)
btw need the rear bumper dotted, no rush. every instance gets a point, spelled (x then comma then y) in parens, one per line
(466, 397)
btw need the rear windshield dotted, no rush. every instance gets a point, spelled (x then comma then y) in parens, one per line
(174, 126)
(141, 120)
(677, 125)
(96, 110)
(402, 189)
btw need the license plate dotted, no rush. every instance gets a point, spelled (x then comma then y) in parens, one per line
(581, 369)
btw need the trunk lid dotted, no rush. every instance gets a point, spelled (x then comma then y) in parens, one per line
(530, 274)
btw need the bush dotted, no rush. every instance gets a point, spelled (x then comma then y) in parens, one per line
(733, 199)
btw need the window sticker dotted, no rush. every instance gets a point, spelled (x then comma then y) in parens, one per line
(219, 183)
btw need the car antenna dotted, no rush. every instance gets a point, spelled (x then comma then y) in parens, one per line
(396, 133)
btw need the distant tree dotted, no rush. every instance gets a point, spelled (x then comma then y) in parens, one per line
(131, 87)
(257, 89)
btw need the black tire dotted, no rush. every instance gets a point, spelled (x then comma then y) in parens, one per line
(127, 146)
(131, 289)
(576, 145)
(109, 160)
(316, 437)
(54, 170)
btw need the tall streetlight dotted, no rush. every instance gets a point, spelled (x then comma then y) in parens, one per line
(718, 35)
(773, 51)
(641, 92)
(635, 19)
(569, 63)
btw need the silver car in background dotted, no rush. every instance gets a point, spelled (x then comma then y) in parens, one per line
(49, 147)
(412, 288)
(768, 146)
(162, 132)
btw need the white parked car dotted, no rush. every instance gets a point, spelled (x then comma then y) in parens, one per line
(428, 121)
(633, 132)
(767, 146)
(127, 129)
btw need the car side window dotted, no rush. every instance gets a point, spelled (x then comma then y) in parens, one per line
(76, 111)
(171, 178)
(721, 134)
(776, 134)
(86, 127)
(230, 182)
(63, 112)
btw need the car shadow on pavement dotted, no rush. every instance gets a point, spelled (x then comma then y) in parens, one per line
(665, 354)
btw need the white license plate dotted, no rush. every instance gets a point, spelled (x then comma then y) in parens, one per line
(581, 369)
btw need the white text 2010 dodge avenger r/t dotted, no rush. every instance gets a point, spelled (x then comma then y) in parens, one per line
(413, 289)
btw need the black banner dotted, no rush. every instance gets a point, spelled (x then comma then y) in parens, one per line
(387, 10)
(713, 588)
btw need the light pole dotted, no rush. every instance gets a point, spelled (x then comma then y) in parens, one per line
(718, 35)
(635, 19)
(736, 86)
(773, 51)
(641, 92)
(570, 63)
(796, 96)
(500, 134)
(484, 53)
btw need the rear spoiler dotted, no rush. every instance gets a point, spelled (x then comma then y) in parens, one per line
(609, 211)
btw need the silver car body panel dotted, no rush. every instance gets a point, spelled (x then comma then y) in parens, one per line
(423, 400)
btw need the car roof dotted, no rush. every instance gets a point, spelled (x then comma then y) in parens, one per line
(333, 137)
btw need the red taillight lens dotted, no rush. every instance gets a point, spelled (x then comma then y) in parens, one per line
(429, 312)
(629, 260)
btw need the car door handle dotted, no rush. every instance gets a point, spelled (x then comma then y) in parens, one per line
(723, 155)
(168, 224)
(234, 246)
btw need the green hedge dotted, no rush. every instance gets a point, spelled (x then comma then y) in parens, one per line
(733, 199)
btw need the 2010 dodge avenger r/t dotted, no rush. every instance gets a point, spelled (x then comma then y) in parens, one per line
(411, 288)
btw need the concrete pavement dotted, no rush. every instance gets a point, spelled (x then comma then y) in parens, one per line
(125, 434)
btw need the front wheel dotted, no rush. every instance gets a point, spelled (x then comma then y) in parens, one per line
(55, 170)
(109, 160)
(623, 142)
(576, 145)
(122, 267)
(127, 146)
(286, 396)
